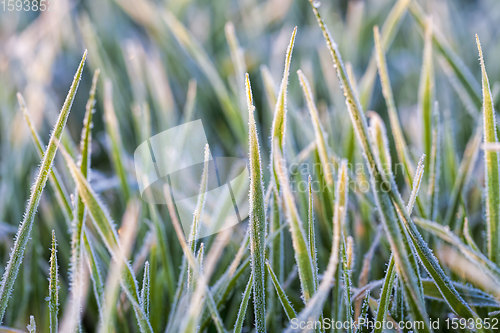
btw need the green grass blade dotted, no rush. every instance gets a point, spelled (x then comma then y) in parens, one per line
(79, 210)
(279, 121)
(311, 235)
(53, 286)
(492, 166)
(243, 306)
(385, 295)
(346, 249)
(426, 93)
(24, 231)
(145, 291)
(257, 217)
(435, 165)
(287, 306)
(198, 212)
(54, 179)
(318, 130)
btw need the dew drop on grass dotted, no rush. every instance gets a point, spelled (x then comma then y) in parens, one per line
(316, 4)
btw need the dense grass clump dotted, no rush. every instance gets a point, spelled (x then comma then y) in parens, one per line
(373, 173)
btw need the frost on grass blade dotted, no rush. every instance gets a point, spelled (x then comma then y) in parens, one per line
(257, 216)
(146, 285)
(24, 231)
(53, 286)
(243, 306)
(492, 166)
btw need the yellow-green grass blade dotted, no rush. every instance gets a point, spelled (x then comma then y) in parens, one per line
(389, 30)
(383, 303)
(24, 231)
(278, 130)
(257, 216)
(426, 93)
(318, 130)
(53, 286)
(492, 166)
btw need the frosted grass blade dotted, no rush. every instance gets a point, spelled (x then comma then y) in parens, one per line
(257, 216)
(287, 306)
(492, 166)
(24, 231)
(53, 286)
(243, 306)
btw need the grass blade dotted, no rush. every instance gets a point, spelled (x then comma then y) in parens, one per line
(287, 306)
(257, 217)
(389, 29)
(243, 306)
(24, 231)
(53, 286)
(492, 165)
(318, 130)
(146, 284)
(426, 93)
(311, 233)
(279, 121)
(55, 178)
(383, 303)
